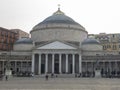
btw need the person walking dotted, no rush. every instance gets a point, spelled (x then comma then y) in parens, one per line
(6, 78)
(46, 76)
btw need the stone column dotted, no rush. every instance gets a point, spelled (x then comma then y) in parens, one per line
(15, 66)
(86, 66)
(60, 63)
(39, 72)
(104, 65)
(80, 64)
(116, 66)
(53, 60)
(21, 65)
(110, 68)
(66, 63)
(73, 64)
(46, 63)
(3, 66)
(33, 63)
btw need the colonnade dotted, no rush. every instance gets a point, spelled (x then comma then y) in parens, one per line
(16, 66)
(39, 62)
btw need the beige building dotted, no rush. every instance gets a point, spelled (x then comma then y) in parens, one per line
(20, 33)
(110, 42)
(60, 45)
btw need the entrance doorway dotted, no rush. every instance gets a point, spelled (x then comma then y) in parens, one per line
(57, 68)
(42, 68)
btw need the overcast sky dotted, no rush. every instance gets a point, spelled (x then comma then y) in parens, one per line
(96, 16)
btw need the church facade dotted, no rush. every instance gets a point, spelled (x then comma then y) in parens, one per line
(60, 45)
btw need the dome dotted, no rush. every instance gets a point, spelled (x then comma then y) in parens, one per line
(24, 41)
(58, 27)
(58, 18)
(90, 41)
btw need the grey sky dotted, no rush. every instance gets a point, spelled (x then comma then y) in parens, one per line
(95, 15)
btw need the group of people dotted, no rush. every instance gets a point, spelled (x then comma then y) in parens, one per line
(2, 77)
(52, 76)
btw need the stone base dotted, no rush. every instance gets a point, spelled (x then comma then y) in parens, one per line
(97, 73)
(8, 72)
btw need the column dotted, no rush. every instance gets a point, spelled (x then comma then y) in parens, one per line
(39, 72)
(27, 66)
(46, 63)
(110, 66)
(33, 61)
(53, 63)
(3, 67)
(86, 68)
(60, 63)
(21, 65)
(80, 63)
(104, 65)
(66, 63)
(73, 64)
(93, 66)
(116, 66)
(15, 66)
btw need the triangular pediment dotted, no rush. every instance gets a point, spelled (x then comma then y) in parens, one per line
(56, 45)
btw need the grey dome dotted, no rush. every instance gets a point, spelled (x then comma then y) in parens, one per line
(58, 18)
(24, 41)
(90, 41)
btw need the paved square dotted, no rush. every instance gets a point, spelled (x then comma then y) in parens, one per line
(36, 83)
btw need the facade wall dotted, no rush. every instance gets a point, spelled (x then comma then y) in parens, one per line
(22, 47)
(92, 47)
(58, 34)
(105, 63)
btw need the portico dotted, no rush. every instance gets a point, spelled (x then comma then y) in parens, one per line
(59, 63)
(49, 59)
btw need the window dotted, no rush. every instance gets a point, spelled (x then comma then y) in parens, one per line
(114, 47)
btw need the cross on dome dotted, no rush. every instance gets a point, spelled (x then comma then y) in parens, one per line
(58, 11)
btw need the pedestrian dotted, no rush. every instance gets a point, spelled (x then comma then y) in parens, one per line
(46, 76)
(75, 75)
(6, 78)
(52, 75)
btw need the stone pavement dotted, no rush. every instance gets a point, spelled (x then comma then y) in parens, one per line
(36, 83)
